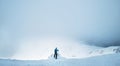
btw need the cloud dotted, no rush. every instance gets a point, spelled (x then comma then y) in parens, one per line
(95, 22)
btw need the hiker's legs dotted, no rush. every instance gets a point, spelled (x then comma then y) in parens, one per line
(56, 56)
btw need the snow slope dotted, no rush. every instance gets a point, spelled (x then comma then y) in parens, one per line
(103, 51)
(102, 60)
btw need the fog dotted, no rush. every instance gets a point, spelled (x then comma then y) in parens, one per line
(95, 22)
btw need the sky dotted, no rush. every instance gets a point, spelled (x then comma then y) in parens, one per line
(95, 22)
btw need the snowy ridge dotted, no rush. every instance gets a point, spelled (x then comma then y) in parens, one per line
(103, 51)
(104, 60)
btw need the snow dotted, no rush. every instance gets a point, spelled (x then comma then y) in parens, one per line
(103, 60)
(109, 56)
(103, 51)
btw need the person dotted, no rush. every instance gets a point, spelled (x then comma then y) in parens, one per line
(56, 53)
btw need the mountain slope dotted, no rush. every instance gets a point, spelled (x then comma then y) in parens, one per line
(103, 60)
(103, 51)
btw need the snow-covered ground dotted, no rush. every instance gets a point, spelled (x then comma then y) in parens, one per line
(103, 60)
(109, 56)
(103, 51)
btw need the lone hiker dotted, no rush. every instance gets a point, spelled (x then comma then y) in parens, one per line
(56, 53)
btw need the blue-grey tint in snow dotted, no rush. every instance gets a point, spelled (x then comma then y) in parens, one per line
(109, 57)
(104, 60)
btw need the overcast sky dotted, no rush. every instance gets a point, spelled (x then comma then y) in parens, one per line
(96, 22)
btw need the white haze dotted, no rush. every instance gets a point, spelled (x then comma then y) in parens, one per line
(42, 48)
(31, 29)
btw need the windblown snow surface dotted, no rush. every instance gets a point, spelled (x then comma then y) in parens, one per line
(103, 60)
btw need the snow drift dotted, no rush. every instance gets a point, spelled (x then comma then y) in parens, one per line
(103, 60)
